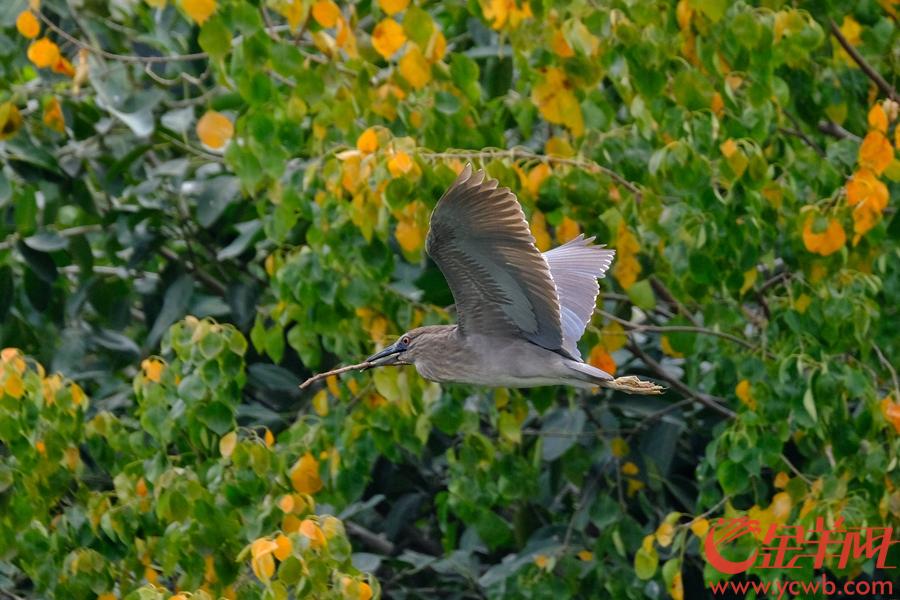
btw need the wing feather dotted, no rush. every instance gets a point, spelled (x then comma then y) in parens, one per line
(499, 279)
(575, 267)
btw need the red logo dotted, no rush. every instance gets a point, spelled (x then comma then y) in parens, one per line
(788, 546)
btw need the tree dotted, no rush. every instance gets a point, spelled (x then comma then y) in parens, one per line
(203, 203)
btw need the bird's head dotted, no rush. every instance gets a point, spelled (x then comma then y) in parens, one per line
(404, 351)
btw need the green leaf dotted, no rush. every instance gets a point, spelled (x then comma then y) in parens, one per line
(215, 38)
(641, 294)
(218, 417)
(645, 562)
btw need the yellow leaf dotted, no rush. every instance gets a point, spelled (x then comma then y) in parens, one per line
(326, 13)
(699, 527)
(781, 507)
(802, 303)
(414, 68)
(536, 177)
(305, 475)
(683, 14)
(10, 120)
(153, 369)
(215, 129)
(310, 530)
(367, 142)
(567, 230)
(78, 396)
(437, 47)
(63, 67)
(541, 561)
(560, 46)
(629, 468)
(286, 503)
(320, 403)
(140, 488)
(664, 534)
(585, 555)
(781, 480)
(503, 12)
(613, 337)
(409, 235)
(557, 103)
(53, 116)
(539, 231)
(332, 383)
(851, 30)
(627, 267)
(743, 392)
(891, 412)
(268, 438)
(878, 119)
(263, 567)
(284, 547)
(666, 346)
(728, 148)
(749, 279)
(14, 385)
(827, 242)
(43, 53)
(392, 7)
(601, 359)
(388, 37)
(227, 444)
(876, 152)
(633, 486)
(399, 164)
(28, 25)
(865, 188)
(717, 104)
(199, 10)
(676, 588)
(619, 447)
(558, 146)
(410, 232)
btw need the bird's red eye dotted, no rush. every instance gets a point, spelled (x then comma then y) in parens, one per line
(405, 340)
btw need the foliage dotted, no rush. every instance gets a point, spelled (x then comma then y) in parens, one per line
(269, 168)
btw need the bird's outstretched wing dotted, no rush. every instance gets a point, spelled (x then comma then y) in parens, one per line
(501, 282)
(575, 267)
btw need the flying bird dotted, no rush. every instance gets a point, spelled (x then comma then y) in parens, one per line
(520, 312)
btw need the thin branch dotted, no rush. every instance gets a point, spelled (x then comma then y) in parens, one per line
(886, 88)
(10, 241)
(211, 282)
(676, 328)
(836, 131)
(660, 288)
(711, 402)
(655, 416)
(795, 470)
(129, 58)
(887, 364)
(524, 154)
(370, 538)
(357, 367)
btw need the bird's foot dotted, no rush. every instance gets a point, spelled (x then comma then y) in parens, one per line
(632, 385)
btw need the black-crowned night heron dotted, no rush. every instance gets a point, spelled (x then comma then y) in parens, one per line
(520, 313)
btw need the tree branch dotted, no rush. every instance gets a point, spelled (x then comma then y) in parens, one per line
(886, 88)
(711, 402)
(676, 328)
(524, 154)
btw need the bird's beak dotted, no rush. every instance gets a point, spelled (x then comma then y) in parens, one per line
(388, 356)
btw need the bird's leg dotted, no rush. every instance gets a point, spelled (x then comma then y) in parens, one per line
(632, 385)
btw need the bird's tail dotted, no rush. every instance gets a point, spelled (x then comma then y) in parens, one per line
(588, 373)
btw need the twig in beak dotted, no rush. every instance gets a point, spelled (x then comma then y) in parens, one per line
(357, 367)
